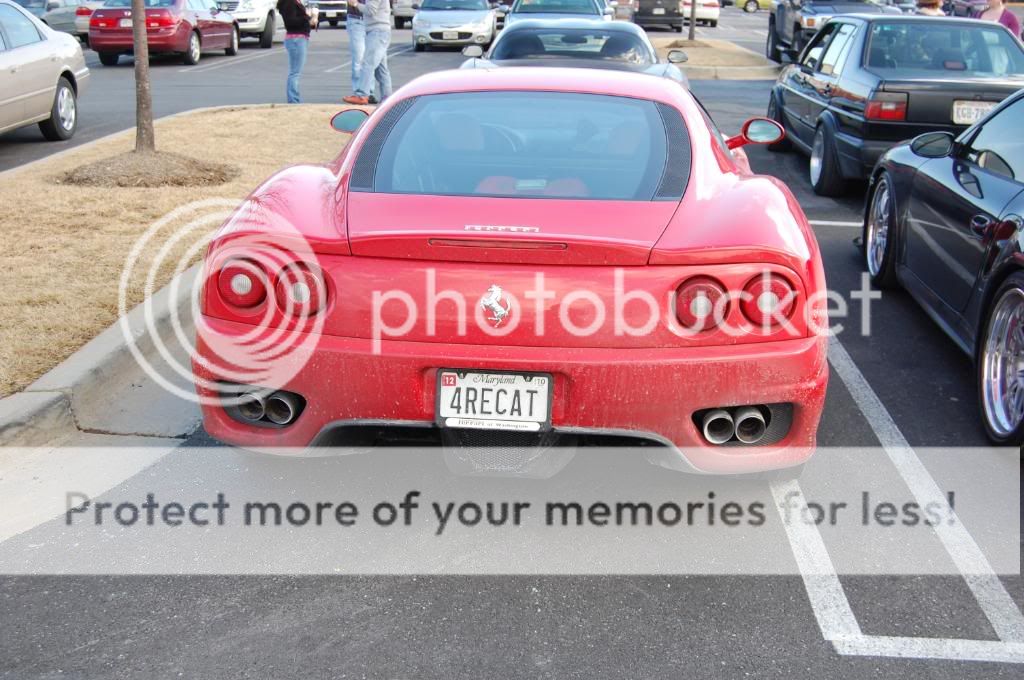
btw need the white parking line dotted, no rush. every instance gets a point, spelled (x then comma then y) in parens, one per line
(344, 65)
(229, 61)
(831, 223)
(828, 600)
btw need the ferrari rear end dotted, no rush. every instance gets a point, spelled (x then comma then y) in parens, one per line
(561, 256)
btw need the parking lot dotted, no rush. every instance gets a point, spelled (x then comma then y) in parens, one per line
(905, 386)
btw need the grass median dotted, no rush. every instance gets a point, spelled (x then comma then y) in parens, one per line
(64, 246)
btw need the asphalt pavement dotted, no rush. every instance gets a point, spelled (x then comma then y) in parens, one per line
(905, 383)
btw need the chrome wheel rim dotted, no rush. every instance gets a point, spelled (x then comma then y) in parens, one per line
(66, 112)
(193, 47)
(234, 41)
(751, 6)
(1002, 382)
(878, 229)
(816, 153)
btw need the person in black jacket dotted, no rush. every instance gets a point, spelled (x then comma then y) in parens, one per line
(297, 24)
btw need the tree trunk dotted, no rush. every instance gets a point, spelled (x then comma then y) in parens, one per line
(145, 140)
(693, 19)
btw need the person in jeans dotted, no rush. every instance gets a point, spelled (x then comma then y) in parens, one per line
(356, 28)
(297, 24)
(377, 17)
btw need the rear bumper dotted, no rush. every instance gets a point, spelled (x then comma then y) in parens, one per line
(858, 156)
(658, 19)
(652, 393)
(159, 40)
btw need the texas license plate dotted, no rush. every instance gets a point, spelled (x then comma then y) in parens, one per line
(126, 23)
(968, 112)
(658, 10)
(476, 400)
(450, 35)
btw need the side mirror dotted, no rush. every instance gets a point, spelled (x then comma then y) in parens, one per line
(933, 144)
(473, 51)
(757, 131)
(52, 5)
(677, 57)
(349, 120)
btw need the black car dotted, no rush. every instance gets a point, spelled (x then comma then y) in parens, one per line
(866, 83)
(577, 43)
(945, 218)
(661, 13)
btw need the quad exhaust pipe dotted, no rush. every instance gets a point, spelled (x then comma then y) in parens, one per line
(277, 408)
(746, 424)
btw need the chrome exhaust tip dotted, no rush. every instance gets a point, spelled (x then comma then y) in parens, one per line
(718, 426)
(282, 408)
(251, 406)
(750, 424)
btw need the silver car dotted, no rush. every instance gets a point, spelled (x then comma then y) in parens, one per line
(557, 9)
(57, 14)
(454, 22)
(42, 72)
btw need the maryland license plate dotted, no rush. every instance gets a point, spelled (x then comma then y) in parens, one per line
(970, 112)
(519, 402)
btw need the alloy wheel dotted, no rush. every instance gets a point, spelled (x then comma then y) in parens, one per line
(878, 229)
(1002, 381)
(66, 109)
(817, 152)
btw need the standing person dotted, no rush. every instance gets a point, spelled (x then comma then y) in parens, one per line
(297, 24)
(998, 12)
(930, 8)
(356, 28)
(377, 16)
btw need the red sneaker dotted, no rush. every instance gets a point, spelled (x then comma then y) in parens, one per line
(356, 99)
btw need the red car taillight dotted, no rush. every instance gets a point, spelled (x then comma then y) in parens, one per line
(767, 300)
(242, 283)
(161, 18)
(701, 303)
(300, 291)
(887, 106)
(102, 21)
(83, 11)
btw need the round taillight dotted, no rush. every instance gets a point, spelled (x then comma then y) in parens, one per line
(701, 304)
(767, 300)
(300, 291)
(242, 283)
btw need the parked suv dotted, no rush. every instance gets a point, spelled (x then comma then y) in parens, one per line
(333, 12)
(793, 23)
(256, 18)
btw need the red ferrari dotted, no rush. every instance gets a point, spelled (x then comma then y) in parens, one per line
(548, 256)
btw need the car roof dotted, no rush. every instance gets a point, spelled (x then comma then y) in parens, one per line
(909, 19)
(580, 24)
(526, 78)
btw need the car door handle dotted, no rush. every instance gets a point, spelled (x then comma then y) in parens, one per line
(981, 224)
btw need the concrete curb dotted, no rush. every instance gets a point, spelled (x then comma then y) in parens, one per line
(50, 408)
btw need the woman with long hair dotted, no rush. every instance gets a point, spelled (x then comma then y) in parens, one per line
(297, 24)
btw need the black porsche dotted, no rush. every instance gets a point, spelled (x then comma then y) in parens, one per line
(866, 83)
(945, 218)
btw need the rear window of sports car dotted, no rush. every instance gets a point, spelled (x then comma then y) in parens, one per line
(521, 144)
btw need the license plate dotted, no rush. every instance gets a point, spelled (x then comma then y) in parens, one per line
(658, 10)
(449, 35)
(968, 113)
(126, 23)
(520, 402)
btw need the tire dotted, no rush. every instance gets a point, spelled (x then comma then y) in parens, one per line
(751, 6)
(109, 58)
(771, 48)
(775, 114)
(399, 22)
(680, 27)
(333, 23)
(823, 168)
(63, 120)
(419, 48)
(232, 49)
(194, 52)
(267, 36)
(880, 235)
(1000, 350)
(713, 23)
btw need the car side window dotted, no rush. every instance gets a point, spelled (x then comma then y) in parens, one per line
(812, 57)
(830, 61)
(999, 146)
(20, 30)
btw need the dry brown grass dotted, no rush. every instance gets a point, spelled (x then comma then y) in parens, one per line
(710, 52)
(64, 247)
(150, 170)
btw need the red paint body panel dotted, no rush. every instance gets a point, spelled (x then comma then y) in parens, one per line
(729, 225)
(215, 30)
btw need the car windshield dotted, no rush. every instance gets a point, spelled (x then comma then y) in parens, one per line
(951, 49)
(148, 3)
(525, 144)
(450, 5)
(556, 7)
(556, 43)
(32, 4)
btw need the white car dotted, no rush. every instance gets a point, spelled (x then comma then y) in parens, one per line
(256, 19)
(454, 22)
(82, 15)
(557, 9)
(707, 11)
(44, 72)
